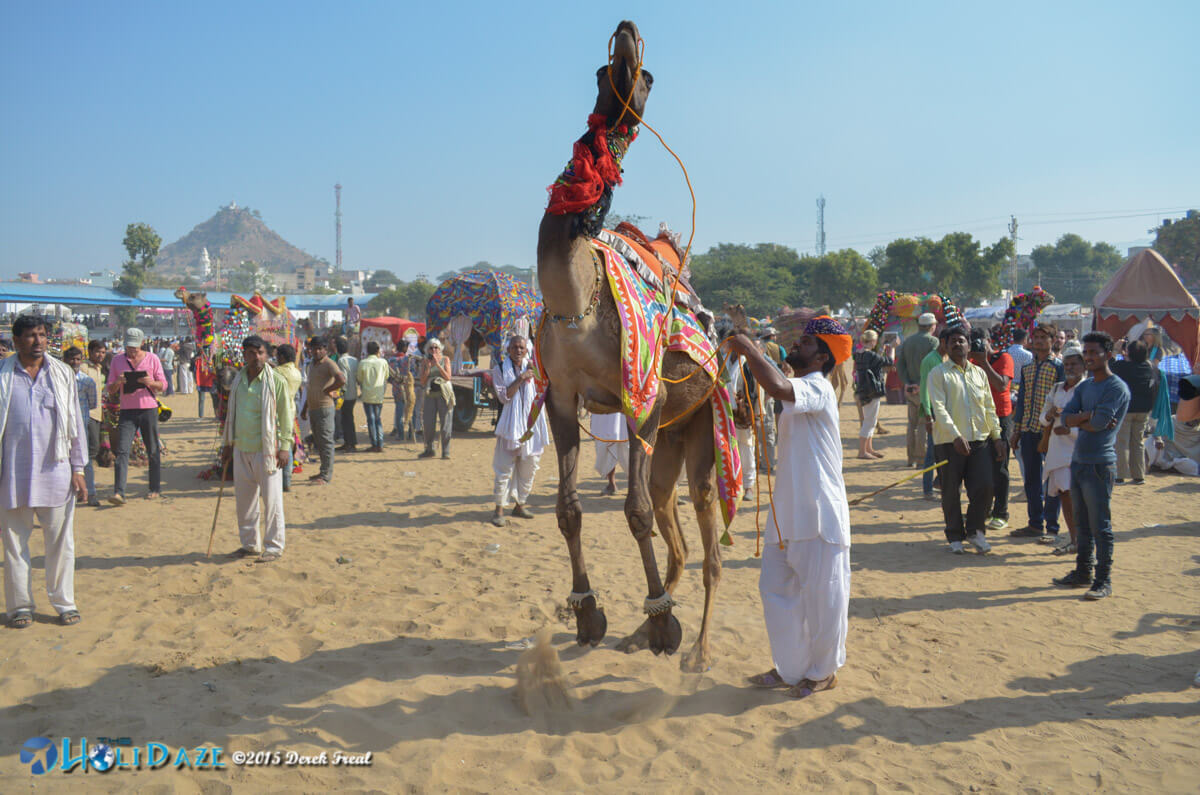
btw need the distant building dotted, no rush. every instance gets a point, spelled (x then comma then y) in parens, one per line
(302, 280)
(103, 278)
(29, 277)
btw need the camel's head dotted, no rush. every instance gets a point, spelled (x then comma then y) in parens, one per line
(624, 70)
(197, 302)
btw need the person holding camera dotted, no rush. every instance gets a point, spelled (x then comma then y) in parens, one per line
(139, 410)
(869, 389)
(439, 398)
(967, 435)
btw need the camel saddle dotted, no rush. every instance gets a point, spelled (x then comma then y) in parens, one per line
(657, 261)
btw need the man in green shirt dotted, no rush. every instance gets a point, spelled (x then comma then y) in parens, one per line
(258, 438)
(932, 359)
(912, 353)
(372, 378)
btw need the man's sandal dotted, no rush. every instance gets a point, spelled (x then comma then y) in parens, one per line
(69, 618)
(20, 619)
(768, 681)
(807, 687)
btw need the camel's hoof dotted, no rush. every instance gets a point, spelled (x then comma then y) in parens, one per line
(639, 640)
(590, 623)
(665, 634)
(695, 662)
(599, 627)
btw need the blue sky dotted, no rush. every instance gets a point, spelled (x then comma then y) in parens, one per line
(445, 122)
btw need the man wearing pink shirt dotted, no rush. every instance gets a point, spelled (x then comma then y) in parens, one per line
(139, 410)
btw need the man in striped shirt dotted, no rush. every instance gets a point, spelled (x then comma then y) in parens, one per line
(1037, 380)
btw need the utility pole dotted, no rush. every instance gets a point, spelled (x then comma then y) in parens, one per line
(1012, 230)
(337, 192)
(821, 226)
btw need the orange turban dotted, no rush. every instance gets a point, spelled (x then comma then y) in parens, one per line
(833, 334)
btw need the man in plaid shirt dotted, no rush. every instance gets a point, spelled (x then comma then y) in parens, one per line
(1037, 380)
(1175, 368)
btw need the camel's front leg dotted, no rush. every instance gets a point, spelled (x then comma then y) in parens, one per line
(662, 628)
(702, 481)
(590, 623)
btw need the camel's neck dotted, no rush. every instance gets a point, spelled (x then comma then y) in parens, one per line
(566, 271)
(579, 201)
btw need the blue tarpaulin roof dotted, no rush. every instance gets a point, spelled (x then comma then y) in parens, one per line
(83, 295)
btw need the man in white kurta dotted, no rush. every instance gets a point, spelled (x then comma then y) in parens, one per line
(612, 447)
(515, 460)
(805, 577)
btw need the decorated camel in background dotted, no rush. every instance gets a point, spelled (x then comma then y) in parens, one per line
(579, 348)
(220, 350)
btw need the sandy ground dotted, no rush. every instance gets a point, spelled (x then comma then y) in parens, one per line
(964, 673)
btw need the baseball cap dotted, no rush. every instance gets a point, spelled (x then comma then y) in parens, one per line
(134, 337)
(1071, 349)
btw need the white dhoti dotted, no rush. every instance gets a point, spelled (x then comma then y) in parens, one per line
(612, 454)
(805, 591)
(518, 446)
(745, 442)
(59, 537)
(251, 483)
(514, 474)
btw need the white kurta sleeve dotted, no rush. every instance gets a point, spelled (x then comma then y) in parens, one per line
(809, 396)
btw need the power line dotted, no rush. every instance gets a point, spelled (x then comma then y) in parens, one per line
(1079, 217)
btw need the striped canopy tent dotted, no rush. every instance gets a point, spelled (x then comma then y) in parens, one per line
(1146, 287)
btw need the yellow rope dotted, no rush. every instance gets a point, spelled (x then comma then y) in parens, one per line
(670, 294)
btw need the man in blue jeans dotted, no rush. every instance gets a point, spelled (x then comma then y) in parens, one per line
(1096, 409)
(1037, 381)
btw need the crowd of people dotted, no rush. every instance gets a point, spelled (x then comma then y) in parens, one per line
(1079, 415)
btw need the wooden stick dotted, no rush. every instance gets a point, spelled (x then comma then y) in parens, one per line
(905, 479)
(217, 512)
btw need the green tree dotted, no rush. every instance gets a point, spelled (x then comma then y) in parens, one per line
(1073, 270)
(904, 265)
(762, 278)
(839, 279)
(381, 279)
(1178, 241)
(142, 244)
(980, 277)
(957, 265)
(406, 299)
(250, 276)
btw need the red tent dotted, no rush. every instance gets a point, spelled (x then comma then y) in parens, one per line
(396, 326)
(1147, 287)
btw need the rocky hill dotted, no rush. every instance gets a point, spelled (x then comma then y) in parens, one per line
(234, 234)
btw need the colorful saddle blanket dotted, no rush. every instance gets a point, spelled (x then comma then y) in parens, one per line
(643, 310)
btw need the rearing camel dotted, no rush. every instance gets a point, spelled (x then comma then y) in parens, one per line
(579, 346)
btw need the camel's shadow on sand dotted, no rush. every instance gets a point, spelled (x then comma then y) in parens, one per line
(299, 701)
